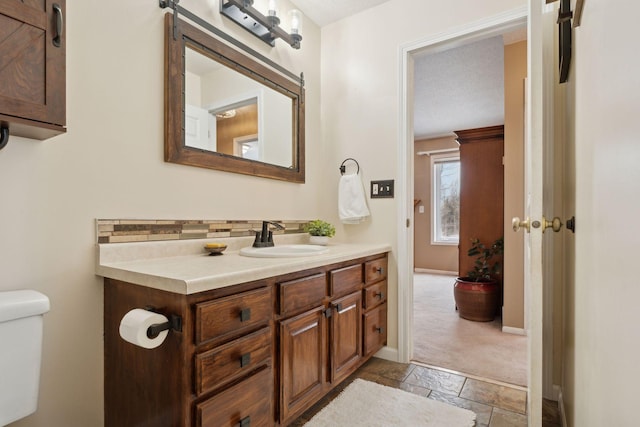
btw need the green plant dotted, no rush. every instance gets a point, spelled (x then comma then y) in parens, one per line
(485, 268)
(320, 228)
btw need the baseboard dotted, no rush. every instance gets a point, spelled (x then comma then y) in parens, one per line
(430, 271)
(514, 331)
(563, 415)
(388, 353)
(556, 393)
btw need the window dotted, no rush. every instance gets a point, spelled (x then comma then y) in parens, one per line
(445, 199)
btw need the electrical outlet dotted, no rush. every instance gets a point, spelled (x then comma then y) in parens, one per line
(382, 189)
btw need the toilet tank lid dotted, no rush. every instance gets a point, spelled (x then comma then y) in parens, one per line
(23, 303)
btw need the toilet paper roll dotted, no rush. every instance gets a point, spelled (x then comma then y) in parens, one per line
(134, 325)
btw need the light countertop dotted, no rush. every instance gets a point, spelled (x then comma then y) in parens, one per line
(184, 267)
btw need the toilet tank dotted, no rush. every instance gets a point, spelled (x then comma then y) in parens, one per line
(20, 352)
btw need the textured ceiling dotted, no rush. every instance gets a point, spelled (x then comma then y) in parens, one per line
(460, 88)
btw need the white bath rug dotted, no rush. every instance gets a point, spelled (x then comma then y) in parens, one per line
(367, 404)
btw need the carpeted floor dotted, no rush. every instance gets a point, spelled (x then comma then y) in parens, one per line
(441, 338)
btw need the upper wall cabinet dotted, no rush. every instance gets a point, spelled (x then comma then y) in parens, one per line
(32, 67)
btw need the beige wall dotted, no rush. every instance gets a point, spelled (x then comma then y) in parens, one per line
(515, 71)
(110, 165)
(425, 254)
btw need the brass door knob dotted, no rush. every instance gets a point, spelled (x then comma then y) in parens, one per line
(555, 224)
(517, 224)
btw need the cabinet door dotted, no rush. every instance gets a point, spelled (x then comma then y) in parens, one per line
(303, 344)
(375, 329)
(346, 337)
(32, 63)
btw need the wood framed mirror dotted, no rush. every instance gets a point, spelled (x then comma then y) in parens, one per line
(225, 110)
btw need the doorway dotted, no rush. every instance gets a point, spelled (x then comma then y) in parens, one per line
(466, 87)
(489, 28)
(539, 127)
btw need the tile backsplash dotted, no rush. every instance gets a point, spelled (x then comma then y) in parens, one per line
(135, 230)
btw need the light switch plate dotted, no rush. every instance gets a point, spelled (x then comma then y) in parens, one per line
(382, 189)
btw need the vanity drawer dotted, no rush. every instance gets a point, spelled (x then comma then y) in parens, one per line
(246, 403)
(375, 270)
(233, 315)
(232, 360)
(345, 280)
(300, 294)
(375, 294)
(375, 329)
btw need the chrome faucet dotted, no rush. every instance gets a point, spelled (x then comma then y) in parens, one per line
(264, 238)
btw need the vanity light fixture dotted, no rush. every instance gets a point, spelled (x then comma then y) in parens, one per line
(266, 28)
(226, 114)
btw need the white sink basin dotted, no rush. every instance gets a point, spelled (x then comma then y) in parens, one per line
(284, 251)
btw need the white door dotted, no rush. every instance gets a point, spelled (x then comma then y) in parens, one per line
(197, 128)
(538, 179)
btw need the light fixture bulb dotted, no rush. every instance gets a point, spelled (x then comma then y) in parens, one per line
(273, 8)
(296, 21)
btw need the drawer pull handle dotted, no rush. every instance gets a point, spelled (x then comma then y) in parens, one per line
(245, 422)
(327, 312)
(245, 360)
(379, 295)
(379, 329)
(245, 314)
(339, 307)
(380, 270)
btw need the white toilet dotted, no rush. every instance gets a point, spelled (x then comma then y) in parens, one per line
(20, 352)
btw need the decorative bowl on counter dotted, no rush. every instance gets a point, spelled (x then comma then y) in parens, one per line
(215, 248)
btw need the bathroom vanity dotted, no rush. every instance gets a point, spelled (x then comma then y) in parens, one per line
(261, 340)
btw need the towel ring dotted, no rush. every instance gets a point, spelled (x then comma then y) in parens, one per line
(343, 168)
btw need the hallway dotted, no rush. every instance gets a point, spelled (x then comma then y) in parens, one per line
(442, 339)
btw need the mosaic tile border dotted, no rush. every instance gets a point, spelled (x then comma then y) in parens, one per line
(130, 230)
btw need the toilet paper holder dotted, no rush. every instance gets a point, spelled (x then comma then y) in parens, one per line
(174, 324)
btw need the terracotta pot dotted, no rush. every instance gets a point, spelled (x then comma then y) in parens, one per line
(477, 301)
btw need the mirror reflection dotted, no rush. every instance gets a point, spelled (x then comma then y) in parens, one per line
(232, 114)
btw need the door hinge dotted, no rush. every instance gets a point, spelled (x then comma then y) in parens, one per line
(408, 222)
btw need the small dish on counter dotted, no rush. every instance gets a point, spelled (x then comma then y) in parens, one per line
(215, 248)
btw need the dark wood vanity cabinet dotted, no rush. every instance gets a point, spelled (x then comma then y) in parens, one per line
(33, 67)
(257, 354)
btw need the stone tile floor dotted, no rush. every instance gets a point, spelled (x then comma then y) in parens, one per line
(495, 404)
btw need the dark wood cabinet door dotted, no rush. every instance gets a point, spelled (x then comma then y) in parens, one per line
(33, 67)
(303, 344)
(375, 329)
(346, 336)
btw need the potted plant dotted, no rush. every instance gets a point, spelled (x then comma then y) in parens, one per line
(477, 295)
(320, 231)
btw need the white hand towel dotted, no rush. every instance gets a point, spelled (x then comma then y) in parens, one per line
(352, 204)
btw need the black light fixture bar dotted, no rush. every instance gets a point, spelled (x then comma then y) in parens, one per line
(179, 10)
(266, 28)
